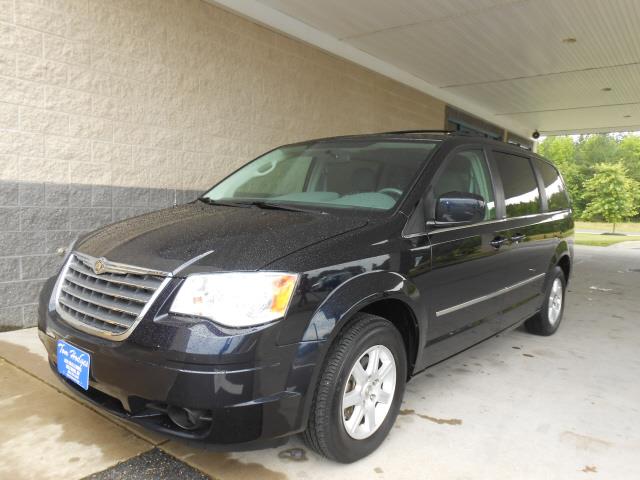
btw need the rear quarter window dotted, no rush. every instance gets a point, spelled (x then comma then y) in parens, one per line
(554, 188)
(521, 193)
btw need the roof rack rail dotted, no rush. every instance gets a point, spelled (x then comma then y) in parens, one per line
(447, 132)
(518, 144)
(460, 133)
(401, 132)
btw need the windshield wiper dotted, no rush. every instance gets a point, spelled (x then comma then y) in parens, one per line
(279, 206)
(259, 204)
(210, 201)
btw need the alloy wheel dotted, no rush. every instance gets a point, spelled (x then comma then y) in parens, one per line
(555, 301)
(369, 392)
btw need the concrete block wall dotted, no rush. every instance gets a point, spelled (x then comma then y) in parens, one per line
(111, 108)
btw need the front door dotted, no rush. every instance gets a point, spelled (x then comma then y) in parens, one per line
(467, 266)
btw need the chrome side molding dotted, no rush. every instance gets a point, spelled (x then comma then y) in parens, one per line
(489, 296)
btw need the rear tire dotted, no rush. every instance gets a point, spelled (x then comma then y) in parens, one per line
(357, 400)
(547, 321)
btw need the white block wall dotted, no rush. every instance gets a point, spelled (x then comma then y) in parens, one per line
(110, 108)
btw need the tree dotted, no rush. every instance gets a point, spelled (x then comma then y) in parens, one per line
(629, 154)
(597, 148)
(563, 152)
(577, 157)
(611, 194)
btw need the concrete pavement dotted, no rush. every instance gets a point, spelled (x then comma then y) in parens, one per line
(603, 232)
(516, 406)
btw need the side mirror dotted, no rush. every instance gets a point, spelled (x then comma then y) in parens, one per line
(457, 208)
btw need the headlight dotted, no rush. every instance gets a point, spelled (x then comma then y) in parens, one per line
(236, 299)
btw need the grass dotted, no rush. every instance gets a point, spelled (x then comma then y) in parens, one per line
(627, 227)
(597, 240)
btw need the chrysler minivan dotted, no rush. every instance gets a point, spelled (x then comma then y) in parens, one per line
(303, 291)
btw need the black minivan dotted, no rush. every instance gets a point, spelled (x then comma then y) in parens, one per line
(302, 292)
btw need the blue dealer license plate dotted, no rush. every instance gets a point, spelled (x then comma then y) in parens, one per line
(73, 364)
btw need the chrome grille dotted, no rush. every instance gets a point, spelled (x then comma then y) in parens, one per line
(110, 303)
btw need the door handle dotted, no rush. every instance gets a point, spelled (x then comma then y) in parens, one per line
(498, 242)
(517, 238)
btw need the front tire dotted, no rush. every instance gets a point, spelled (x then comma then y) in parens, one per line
(547, 321)
(360, 390)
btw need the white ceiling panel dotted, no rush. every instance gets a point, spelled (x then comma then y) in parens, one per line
(348, 18)
(503, 60)
(516, 40)
(558, 91)
(605, 118)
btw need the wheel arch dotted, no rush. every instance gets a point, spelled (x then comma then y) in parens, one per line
(386, 294)
(562, 258)
(372, 292)
(400, 314)
(564, 262)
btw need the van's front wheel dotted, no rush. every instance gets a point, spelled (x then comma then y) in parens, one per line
(360, 390)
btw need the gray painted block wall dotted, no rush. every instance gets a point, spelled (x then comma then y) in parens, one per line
(39, 219)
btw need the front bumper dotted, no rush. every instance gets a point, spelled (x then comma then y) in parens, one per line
(248, 404)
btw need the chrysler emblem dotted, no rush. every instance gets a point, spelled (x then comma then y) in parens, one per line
(99, 267)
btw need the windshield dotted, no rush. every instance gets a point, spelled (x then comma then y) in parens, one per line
(353, 174)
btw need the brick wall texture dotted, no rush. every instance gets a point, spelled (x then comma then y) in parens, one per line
(111, 108)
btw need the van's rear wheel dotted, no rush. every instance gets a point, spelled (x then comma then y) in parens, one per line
(547, 321)
(360, 390)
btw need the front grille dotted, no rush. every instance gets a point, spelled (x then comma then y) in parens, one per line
(108, 303)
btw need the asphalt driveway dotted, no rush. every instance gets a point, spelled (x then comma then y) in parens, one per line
(516, 406)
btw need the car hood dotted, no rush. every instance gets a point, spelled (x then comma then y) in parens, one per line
(237, 238)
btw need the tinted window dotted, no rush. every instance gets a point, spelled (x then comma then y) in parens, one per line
(467, 172)
(553, 186)
(521, 194)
